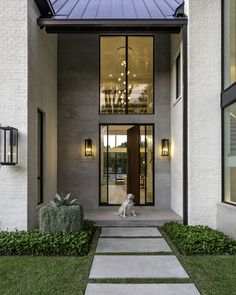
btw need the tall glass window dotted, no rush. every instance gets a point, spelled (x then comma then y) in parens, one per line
(230, 154)
(40, 158)
(126, 75)
(178, 76)
(229, 42)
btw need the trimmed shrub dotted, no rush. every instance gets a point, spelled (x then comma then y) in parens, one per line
(34, 243)
(199, 240)
(61, 215)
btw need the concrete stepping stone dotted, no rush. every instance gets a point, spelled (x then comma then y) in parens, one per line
(135, 245)
(136, 266)
(141, 289)
(130, 232)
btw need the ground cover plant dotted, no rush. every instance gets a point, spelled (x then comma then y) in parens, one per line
(35, 243)
(199, 240)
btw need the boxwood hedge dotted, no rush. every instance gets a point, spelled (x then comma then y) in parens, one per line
(37, 244)
(199, 240)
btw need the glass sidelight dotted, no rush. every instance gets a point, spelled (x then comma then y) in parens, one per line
(126, 163)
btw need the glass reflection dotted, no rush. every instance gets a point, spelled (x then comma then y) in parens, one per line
(230, 153)
(114, 155)
(140, 75)
(103, 165)
(112, 75)
(229, 42)
(126, 73)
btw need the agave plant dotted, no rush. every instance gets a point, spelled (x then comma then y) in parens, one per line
(63, 201)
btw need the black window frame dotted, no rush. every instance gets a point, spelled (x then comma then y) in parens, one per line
(228, 97)
(40, 155)
(178, 80)
(127, 69)
(152, 204)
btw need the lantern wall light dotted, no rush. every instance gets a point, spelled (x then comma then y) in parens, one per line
(8, 146)
(165, 147)
(88, 147)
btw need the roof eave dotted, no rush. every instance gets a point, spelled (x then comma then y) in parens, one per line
(51, 22)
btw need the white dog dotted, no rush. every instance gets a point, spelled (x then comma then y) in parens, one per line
(127, 207)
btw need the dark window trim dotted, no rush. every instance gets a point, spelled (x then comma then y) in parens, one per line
(153, 166)
(222, 111)
(223, 154)
(228, 203)
(228, 97)
(222, 46)
(223, 89)
(178, 76)
(154, 70)
(227, 94)
(40, 138)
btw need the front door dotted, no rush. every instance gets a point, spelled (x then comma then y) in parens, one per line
(126, 163)
(133, 162)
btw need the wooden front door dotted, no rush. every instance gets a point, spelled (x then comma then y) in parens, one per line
(133, 163)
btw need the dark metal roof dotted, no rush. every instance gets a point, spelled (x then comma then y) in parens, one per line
(115, 9)
(81, 16)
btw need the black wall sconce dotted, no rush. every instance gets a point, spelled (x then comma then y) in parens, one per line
(165, 147)
(88, 147)
(8, 146)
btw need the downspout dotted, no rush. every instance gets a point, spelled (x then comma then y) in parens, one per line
(185, 123)
(180, 12)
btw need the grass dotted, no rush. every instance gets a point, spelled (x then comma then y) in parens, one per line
(140, 281)
(45, 275)
(213, 275)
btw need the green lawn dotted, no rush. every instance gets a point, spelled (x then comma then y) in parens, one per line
(45, 275)
(213, 275)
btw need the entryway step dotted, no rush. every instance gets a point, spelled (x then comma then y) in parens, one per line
(133, 223)
(130, 232)
(141, 289)
(134, 245)
(136, 266)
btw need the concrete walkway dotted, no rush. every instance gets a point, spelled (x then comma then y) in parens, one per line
(122, 253)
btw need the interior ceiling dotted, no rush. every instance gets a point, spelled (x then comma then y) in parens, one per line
(119, 127)
(122, 129)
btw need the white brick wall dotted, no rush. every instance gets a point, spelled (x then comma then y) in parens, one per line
(226, 219)
(204, 109)
(204, 114)
(28, 80)
(42, 86)
(176, 132)
(13, 110)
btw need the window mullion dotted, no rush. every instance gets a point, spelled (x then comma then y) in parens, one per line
(126, 74)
